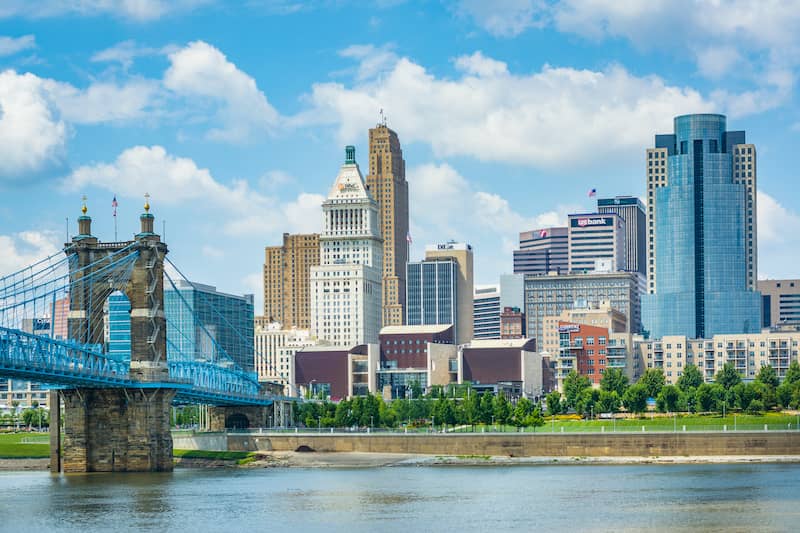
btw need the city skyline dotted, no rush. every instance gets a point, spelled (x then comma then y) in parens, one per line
(235, 161)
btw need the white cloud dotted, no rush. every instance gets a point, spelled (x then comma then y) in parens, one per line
(554, 118)
(12, 45)
(125, 52)
(372, 60)
(447, 206)
(212, 252)
(778, 238)
(32, 136)
(202, 72)
(138, 10)
(254, 284)
(25, 248)
(173, 180)
(503, 18)
(105, 101)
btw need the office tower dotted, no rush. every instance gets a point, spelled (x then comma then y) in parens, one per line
(387, 183)
(547, 296)
(542, 251)
(486, 312)
(346, 286)
(780, 302)
(204, 324)
(512, 323)
(701, 231)
(461, 253)
(432, 293)
(596, 242)
(286, 279)
(631, 210)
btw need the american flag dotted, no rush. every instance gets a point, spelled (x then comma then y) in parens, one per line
(592, 192)
(114, 204)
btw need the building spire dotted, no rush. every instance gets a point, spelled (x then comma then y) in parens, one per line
(84, 209)
(146, 202)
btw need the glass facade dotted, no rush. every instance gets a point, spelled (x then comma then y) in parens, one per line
(700, 259)
(431, 293)
(119, 327)
(223, 323)
(486, 314)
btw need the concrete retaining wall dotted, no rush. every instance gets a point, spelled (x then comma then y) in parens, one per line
(217, 442)
(522, 445)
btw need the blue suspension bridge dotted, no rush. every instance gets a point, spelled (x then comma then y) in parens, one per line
(54, 329)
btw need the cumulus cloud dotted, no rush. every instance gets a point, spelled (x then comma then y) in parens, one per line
(446, 205)
(503, 18)
(201, 71)
(25, 248)
(104, 101)
(12, 45)
(546, 119)
(125, 52)
(174, 180)
(137, 10)
(778, 238)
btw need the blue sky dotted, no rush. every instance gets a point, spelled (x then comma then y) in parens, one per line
(234, 115)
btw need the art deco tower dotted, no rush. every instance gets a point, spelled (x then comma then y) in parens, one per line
(387, 184)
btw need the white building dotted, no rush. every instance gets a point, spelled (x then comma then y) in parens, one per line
(346, 286)
(596, 243)
(274, 350)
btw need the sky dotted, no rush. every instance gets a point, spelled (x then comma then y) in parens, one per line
(233, 116)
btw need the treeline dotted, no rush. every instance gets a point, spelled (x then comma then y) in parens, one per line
(455, 405)
(689, 394)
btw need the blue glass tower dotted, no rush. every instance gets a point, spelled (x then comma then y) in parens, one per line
(432, 292)
(700, 235)
(119, 327)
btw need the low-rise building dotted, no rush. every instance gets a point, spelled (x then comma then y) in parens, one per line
(274, 349)
(510, 366)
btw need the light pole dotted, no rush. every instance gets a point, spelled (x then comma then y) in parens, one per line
(493, 428)
(319, 424)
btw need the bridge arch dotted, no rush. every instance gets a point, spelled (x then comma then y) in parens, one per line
(237, 421)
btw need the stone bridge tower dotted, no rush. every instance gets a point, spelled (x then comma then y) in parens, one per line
(117, 429)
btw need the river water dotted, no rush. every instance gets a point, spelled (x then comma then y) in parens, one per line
(749, 497)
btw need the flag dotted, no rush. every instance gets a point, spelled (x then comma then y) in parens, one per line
(408, 237)
(543, 234)
(114, 204)
(592, 192)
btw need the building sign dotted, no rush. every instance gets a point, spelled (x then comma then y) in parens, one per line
(584, 222)
(569, 328)
(448, 246)
(348, 187)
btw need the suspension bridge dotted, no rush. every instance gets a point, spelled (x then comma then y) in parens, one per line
(54, 329)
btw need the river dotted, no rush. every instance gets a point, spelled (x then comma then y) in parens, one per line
(735, 497)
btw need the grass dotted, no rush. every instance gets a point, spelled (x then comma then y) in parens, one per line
(205, 454)
(12, 447)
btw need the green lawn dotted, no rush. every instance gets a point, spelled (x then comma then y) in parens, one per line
(12, 445)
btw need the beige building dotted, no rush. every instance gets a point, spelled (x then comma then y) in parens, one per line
(461, 253)
(274, 349)
(601, 316)
(748, 353)
(286, 280)
(387, 183)
(780, 300)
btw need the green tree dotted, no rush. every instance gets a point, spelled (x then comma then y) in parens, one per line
(523, 408)
(487, 407)
(588, 401)
(705, 398)
(652, 381)
(728, 376)
(614, 380)
(35, 417)
(768, 376)
(792, 373)
(756, 407)
(415, 389)
(635, 398)
(472, 408)
(691, 377)
(574, 385)
(554, 406)
(609, 401)
(668, 398)
(501, 409)
(534, 419)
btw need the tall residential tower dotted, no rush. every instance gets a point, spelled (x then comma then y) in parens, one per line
(701, 185)
(346, 286)
(286, 276)
(387, 183)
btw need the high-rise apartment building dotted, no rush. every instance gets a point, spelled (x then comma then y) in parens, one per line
(461, 253)
(346, 286)
(486, 312)
(542, 251)
(286, 279)
(387, 183)
(780, 302)
(701, 231)
(596, 242)
(631, 210)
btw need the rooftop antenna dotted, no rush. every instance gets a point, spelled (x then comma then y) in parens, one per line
(383, 118)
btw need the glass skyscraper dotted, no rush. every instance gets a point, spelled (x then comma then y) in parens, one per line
(119, 327)
(701, 232)
(431, 292)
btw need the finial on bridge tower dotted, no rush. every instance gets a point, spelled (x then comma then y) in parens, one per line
(146, 202)
(84, 222)
(84, 209)
(146, 219)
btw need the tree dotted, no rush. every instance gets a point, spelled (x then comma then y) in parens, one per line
(653, 380)
(614, 380)
(554, 406)
(587, 401)
(635, 398)
(487, 406)
(691, 377)
(574, 385)
(768, 376)
(472, 408)
(792, 373)
(609, 401)
(668, 398)
(728, 376)
(502, 409)
(534, 419)
(523, 408)
(756, 407)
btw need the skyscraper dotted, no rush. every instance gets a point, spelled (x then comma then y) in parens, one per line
(286, 279)
(701, 231)
(596, 242)
(542, 251)
(346, 286)
(387, 183)
(631, 210)
(432, 293)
